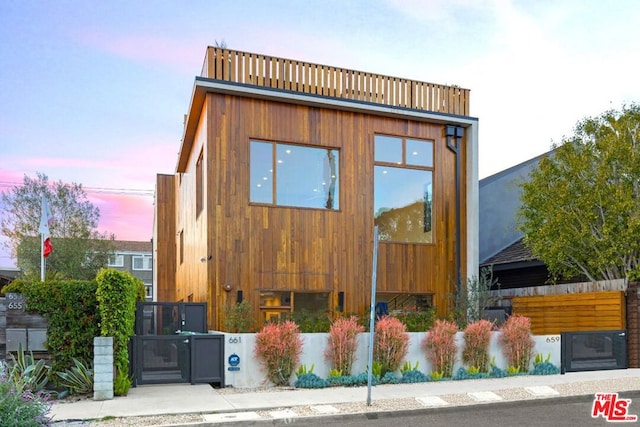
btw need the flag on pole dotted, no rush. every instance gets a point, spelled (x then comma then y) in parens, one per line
(46, 218)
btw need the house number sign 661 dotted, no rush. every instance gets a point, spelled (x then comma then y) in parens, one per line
(235, 340)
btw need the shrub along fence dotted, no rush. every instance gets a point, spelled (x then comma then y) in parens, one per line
(243, 370)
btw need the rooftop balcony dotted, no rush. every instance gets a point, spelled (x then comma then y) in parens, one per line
(307, 78)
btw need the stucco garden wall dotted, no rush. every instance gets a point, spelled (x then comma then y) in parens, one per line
(248, 372)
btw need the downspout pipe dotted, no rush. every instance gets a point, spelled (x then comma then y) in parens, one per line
(454, 136)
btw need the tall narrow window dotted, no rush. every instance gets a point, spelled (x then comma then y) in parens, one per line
(199, 185)
(181, 243)
(403, 189)
(293, 175)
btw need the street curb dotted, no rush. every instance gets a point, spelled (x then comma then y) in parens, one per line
(338, 418)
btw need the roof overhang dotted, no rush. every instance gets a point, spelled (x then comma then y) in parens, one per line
(203, 86)
(516, 265)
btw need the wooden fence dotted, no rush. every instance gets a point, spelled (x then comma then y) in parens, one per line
(590, 311)
(303, 77)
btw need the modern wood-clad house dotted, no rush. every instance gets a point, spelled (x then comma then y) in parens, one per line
(286, 167)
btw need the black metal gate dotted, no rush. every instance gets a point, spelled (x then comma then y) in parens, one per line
(593, 350)
(172, 345)
(170, 318)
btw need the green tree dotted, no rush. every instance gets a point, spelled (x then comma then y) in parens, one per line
(580, 211)
(80, 251)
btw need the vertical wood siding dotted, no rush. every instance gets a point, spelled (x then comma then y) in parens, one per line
(280, 248)
(165, 256)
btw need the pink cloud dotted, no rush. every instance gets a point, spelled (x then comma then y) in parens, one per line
(64, 162)
(128, 216)
(136, 170)
(160, 158)
(121, 187)
(10, 176)
(182, 56)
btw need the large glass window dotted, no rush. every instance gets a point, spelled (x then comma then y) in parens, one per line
(293, 175)
(280, 305)
(403, 189)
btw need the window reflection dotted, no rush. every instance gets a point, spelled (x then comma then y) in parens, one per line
(403, 192)
(388, 149)
(261, 172)
(301, 176)
(402, 204)
(419, 152)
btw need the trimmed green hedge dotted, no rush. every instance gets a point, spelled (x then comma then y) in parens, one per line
(71, 308)
(117, 294)
(79, 310)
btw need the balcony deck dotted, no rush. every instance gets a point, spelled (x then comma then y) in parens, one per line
(303, 77)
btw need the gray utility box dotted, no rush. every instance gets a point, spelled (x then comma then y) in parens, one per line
(31, 339)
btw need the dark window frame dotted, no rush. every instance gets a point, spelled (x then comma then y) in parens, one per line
(333, 196)
(407, 165)
(200, 184)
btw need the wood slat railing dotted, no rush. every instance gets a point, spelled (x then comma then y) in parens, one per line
(298, 76)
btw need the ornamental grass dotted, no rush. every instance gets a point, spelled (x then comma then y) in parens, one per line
(278, 348)
(342, 344)
(391, 343)
(477, 337)
(440, 346)
(517, 343)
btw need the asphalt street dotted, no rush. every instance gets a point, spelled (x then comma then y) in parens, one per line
(574, 411)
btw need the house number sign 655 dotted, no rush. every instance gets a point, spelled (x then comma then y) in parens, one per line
(16, 301)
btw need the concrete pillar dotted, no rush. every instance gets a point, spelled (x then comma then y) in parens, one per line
(102, 368)
(633, 325)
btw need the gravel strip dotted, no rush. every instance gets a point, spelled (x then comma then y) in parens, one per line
(157, 420)
(510, 394)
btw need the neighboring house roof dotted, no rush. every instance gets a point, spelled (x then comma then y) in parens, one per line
(8, 275)
(515, 253)
(133, 246)
(10, 272)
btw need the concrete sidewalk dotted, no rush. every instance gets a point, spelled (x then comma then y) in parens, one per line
(227, 406)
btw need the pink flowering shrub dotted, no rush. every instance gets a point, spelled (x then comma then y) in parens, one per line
(391, 343)
(278, 347)
(517, 342)
(440, 346)
(477, 337)
(342, 344)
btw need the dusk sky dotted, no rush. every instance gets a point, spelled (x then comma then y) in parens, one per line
(94, 92)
